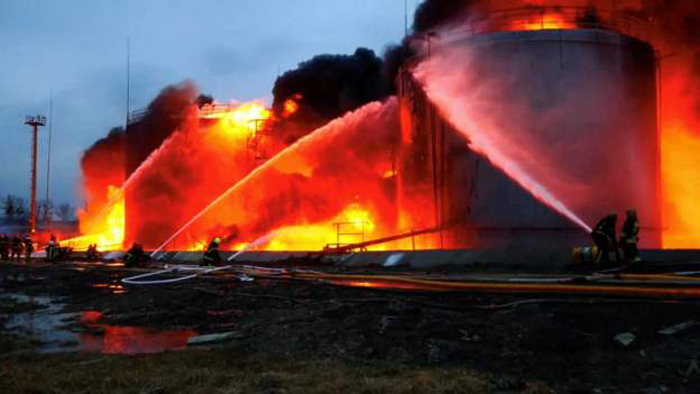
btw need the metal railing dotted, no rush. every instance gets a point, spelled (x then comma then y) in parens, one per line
(555, 18)
(206, 112)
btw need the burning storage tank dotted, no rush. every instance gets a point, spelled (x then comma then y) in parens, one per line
(584, 96)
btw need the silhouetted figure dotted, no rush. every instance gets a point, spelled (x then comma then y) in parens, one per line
(212, 255)
(4, 247)
(28, 248)
(629, 237)
(16, 248)
(605, 239)
(52, 249)
(92, 253)
(136, 257)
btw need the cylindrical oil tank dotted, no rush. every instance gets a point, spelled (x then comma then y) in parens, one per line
(604, 87)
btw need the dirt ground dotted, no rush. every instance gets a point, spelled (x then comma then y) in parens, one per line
(292, 336)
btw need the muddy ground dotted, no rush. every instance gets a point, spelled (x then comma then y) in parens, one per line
(309, 337)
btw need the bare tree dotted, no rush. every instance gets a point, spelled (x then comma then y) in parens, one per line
(9, 206)
(65, 212)
(21, 208)
(45, 209)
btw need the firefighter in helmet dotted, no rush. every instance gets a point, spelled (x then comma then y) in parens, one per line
(136, 257)
(52, 249)
(212, 255)
(605, 239)
(629, 237)
(28, 248)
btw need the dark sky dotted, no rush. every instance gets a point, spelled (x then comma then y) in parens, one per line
(231, 49)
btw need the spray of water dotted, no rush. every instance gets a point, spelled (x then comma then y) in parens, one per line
(453, 92)
(260, 241)
(336, 126)
(119, 195)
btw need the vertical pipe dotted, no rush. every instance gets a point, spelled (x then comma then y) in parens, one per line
(32, 219)
(660, 194)
(433, 143)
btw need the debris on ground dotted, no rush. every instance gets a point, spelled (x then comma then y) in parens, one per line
(625, 339)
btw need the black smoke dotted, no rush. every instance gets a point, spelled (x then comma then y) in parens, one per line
(162, 117)
(110, 160)
(102, 165)
(432, 14)
(326, 87)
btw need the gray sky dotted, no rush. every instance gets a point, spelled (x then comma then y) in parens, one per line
(230, 49)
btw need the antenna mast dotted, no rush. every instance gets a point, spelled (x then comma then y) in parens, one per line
(405, 18)
(128, 80)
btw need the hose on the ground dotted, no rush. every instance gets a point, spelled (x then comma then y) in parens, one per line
(590, 285)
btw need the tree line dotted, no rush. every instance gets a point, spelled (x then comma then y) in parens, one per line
(17, 208)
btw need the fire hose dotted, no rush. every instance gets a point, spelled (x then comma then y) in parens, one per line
(667, 285)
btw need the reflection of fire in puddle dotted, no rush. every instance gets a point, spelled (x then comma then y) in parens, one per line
(114, 288)
(129, 340)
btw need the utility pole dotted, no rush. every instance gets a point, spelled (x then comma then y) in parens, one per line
(47, 207)
(35, 122)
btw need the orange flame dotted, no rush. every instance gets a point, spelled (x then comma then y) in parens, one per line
(680, 165)
(355, 224)
(290, 107)
(106, 229)
(550, 20)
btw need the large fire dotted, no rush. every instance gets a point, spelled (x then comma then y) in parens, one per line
(106, 228)
(680, 162)
(224, 173)
(311, 196)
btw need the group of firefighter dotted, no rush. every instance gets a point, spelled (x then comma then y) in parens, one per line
(137, 257)
(13, 247)
(610, 248)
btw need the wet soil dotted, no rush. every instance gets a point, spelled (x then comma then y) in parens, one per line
(566, 343)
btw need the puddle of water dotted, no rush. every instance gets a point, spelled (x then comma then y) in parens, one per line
(128, 339)
(44, 324)
(48, 325)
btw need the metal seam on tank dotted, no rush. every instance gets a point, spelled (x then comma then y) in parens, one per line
(616, 39)
(595, 43)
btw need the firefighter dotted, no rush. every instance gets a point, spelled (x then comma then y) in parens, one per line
(135, 257)
(92, 253)
(28, 248)
(4, 247)
(52, 249)
(604, 237)
(16, 248)
(629, 237)
(212, 256)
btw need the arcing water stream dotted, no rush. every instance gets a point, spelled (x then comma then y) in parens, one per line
(311, 181)
(467, 102)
